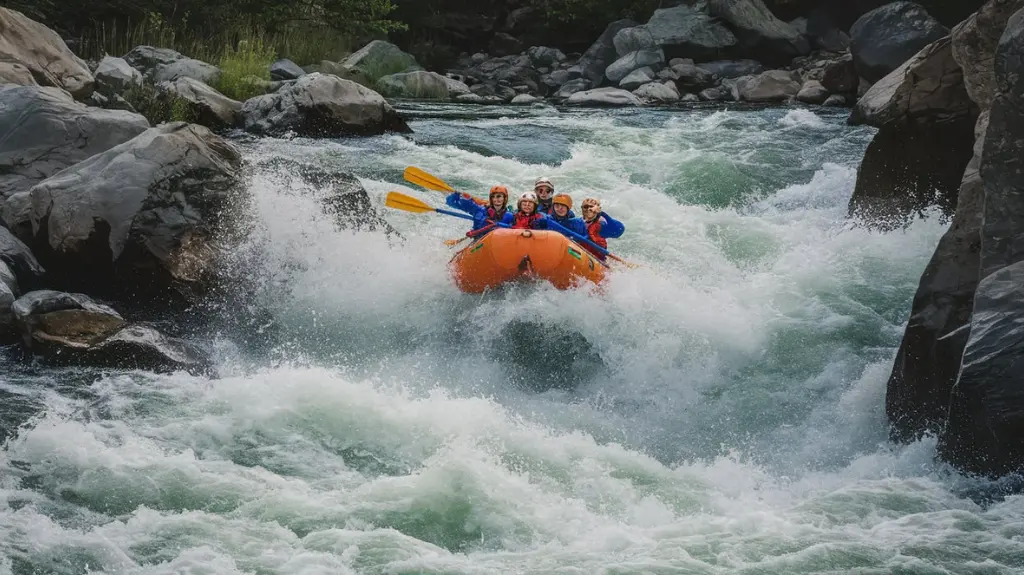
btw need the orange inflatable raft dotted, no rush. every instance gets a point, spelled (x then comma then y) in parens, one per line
(505, 255)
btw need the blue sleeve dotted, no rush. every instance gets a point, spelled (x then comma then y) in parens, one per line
(457, 201)
(542, 223)
(611, 228)
(576, 225)
(508, 218)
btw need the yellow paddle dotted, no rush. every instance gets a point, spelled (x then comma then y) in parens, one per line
(432, 182)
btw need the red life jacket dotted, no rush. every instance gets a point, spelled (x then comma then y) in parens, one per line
(494, 215)
(521, 222)
(594, 231)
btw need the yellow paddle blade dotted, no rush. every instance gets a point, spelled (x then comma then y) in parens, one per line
(400, 201)
(429, 181)
(453, 243)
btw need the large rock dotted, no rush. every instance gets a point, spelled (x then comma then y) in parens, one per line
(208, 107)
(43, 53)
(19, 261)
(632, 39)
(733, 68)
(812, 92)
(908, 167)
(8, 295)
(417, 84)
(658, 92)
(544, 56)
(770, 86)
(601, 53)
(760, 33)
(15, 73)
(840, 75)
(928, 86)
(146, 58)
(114, 75)
(604, 97)
(148, 217)
(8, 279)
(684, 32)
(633, 61)
(185, 68)
(690, 78)
(380, 58)
(928, 359)
(886, 37)
(285, 69)
(72, 329)
(974, 47)
(320, 105)
(571, 87)
(637, 78)
(43, 130)
(986, 412)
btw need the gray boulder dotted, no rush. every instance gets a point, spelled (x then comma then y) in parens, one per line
(685, 32)
(114, 76)
(812, 92)
(44, 131)
(417, 84)
(632, 39)
(770, 86)
(455, 87)
(185, 68)
(284, 69)
(379, 58)
(986, 415)
(321, 105)
(759, 32)
(637, 78)
(73, 329)
(886, 37)
(43, 53)
(604, 97)
(929, 85)
(974, 46)
(208, 107)
(148, 216)
(524, 99)
(663, 92)
(8, 279)
(146, 58)
(8, 295)
(733, 68)
(601, 53)
(690, 78)
(18, 260)
(571, 87)
(625, 65)
(544, 56)
(835, 101)
(840, 75)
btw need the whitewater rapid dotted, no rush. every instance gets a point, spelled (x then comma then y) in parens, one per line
(717, 410)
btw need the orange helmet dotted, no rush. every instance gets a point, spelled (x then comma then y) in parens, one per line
(563, 199)
(499, 190)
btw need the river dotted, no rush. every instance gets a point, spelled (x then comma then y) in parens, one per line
(719, 409)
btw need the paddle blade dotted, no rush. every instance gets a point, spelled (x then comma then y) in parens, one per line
(400, 201)
(429, 181)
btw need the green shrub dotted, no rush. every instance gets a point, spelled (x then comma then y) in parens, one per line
(245, 69)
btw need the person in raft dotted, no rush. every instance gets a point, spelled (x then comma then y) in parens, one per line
(562, 214)
(544, 190)
(599, 226)
(526, 216)
(484, 216)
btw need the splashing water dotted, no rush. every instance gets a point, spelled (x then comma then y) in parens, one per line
(717, 410)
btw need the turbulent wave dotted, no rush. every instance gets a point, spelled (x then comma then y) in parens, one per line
(717, 410)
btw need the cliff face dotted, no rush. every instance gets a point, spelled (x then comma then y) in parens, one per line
(955, 373)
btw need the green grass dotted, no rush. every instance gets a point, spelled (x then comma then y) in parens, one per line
(246, 68)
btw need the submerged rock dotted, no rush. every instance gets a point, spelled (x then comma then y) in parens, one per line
(322, 106)
(73, 329)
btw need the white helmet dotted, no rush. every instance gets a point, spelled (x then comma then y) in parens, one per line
(528, 196)
(543, 181)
